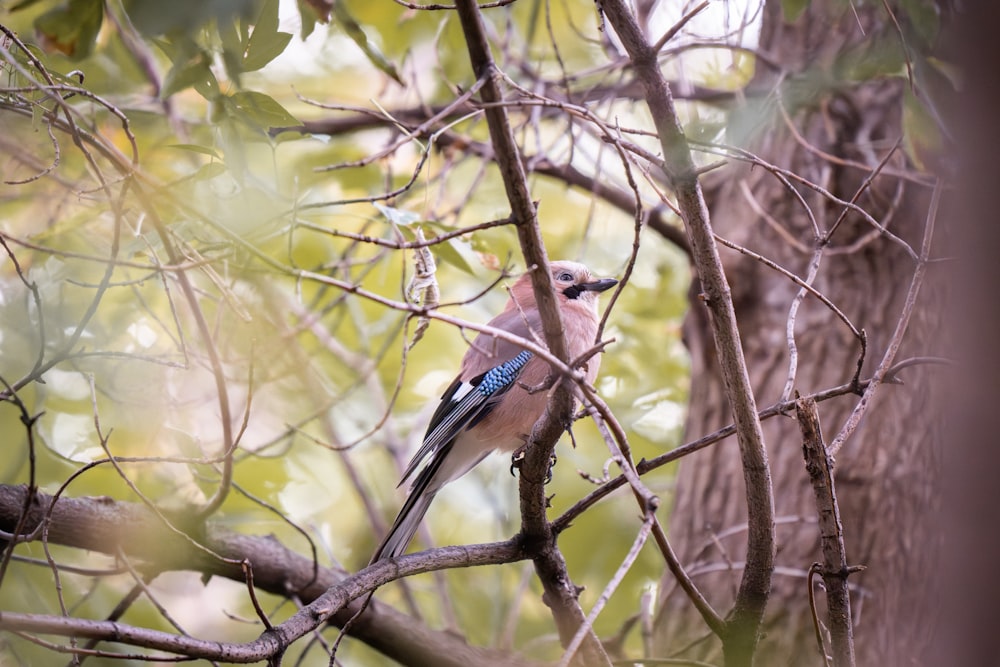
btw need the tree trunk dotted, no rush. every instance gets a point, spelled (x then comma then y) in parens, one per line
(886, 473)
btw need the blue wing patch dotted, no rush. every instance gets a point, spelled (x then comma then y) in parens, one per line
(465, 404)
(501, 377)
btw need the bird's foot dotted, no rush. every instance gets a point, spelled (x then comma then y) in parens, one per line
(552, 464)
(517, 458)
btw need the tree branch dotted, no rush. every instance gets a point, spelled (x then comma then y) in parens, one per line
(831, 532)
(560, 593)
(105, 525)
(743, 628)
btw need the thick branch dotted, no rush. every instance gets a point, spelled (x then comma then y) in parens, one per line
(744, 627)
(560, 593)
(831, 531)
(106, 525)
(508, 159)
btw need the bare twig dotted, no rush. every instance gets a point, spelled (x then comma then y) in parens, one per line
(745, 155)
(609, 589)
(916, 282)
(814, 570)
(780, 408)
(804, 284)
(677, 27)
(647, 503)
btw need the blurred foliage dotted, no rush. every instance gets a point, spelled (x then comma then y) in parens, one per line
(265, 227)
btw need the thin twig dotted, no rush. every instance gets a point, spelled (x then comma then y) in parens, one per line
(780, 408)
(104, 525)
(248, 573)
(677, 27)
(916, 282)
(804, 284)
(609, 589)
(814, 570)
(621, 452)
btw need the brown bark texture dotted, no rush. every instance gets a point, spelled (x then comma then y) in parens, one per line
(887, 471)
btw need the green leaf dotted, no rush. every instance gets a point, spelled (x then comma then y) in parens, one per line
(260, 111)
(233, 148)
(358, 36)
(925, 18)
(206, 172)
(948, 71)
(265, 43)
(455, 251)
(229, 35)
(187, 74)
(194, 148)
(922, 137)
(397, 216)
(263, 49)
(154, 17)
(232, 49)
(22, 5)
(267, 19)
(792, 9)
(71, 29)
(208, 87)
(458, 253)
(209, 171)
(879, 56)
(311, 12)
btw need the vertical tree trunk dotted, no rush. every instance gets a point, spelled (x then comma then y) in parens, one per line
(886, 473)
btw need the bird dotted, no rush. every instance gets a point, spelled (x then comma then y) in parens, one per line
(490, 406)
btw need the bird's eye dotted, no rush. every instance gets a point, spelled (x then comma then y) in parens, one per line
(565, 277)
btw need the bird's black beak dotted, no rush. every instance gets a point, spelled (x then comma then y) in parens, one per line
(574, 291)
(598, 285)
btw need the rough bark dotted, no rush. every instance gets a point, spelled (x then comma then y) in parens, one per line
(886, 473)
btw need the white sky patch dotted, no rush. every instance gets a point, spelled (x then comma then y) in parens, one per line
(71, 385)
(325, 49)
(143, 334)
(737, 19)
(73, 437)
(660, 422)
(731, 22)
(433, 384)
(199, 603)
(298, 496)
(71, 330)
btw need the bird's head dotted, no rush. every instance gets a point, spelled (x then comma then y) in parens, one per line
(573, 282)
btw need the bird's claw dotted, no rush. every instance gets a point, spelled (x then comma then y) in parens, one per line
(552, 464)
(517, 458)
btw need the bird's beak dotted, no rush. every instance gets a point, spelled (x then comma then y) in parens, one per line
(598, 285)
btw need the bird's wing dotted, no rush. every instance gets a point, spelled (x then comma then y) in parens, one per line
(463, 404)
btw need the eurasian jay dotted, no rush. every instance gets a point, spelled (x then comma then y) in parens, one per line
(488, 407)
